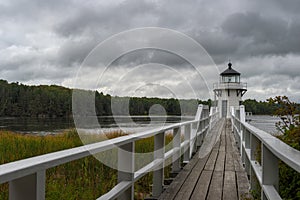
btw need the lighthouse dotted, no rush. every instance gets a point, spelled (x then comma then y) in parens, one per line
(229, 91)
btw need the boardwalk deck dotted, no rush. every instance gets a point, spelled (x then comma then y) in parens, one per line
(218, 175)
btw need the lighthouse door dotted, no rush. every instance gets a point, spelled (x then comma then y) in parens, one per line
(224, 108)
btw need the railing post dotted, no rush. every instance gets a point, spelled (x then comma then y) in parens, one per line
(187, 138)
(199, 130)
(247, 139)
(28, 187)
(205, 122)
(195, 127)
(202, 136)
(270, 170)
(242, 150)
(194, 137)
(126, 169)
(254, 144)
(232, 118)
(211, 120)
(243, 136)
(158, 172)
(247, 146)
(237, 114)
(176, 167)
(242, 114)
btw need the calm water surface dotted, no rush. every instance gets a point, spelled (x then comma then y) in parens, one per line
(264, 122)
(54, 125)
(134, 124)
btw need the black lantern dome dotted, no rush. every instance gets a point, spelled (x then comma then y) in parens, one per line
(230, 75)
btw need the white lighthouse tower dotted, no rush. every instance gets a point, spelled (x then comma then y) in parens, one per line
(229, 91)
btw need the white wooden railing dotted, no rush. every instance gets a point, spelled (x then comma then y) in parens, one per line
(27, 177)
(265, 174)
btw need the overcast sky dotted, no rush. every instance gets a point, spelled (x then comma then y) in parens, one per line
(46, 42)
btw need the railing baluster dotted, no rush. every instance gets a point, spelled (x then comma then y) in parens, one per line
(176, 167)
(200, 129)
(242, 114)
(247, 147)
(254, 144)
(28, 187)
(158, 172)
(247, 139)
(187, 148)
(270, 170)
(242, 150)
(194, 136)
(126, 169)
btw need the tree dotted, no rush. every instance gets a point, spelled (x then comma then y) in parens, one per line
(289, 181)
(287, 111)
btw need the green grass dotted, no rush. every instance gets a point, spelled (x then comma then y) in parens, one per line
(86, 178)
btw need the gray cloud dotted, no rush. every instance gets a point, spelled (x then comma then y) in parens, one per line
(46, 41)
(106, 19)
(262, 35)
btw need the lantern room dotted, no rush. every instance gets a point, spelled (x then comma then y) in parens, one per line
(230, 75)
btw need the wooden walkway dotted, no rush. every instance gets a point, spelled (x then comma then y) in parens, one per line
(219, 175)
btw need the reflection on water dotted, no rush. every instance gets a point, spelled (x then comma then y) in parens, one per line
(35, 125)
(46, 126)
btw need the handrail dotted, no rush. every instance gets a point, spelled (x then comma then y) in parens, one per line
(32, 170)
(249, 138)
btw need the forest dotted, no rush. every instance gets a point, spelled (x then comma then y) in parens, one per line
(259, 107)
(19, 100)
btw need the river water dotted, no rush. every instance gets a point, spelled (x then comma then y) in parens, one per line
(264, 122)
(135, 124)
(108, 123)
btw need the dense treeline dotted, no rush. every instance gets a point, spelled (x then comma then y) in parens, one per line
(267, 107)
(56, 101)
(21, 100)
(259, 107)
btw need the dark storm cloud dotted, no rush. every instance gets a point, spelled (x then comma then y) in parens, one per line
(33, 10)
(263, 35)
(73, 52)
(240, 34)
(110, 18)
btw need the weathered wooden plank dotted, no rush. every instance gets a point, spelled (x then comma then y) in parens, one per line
(229, 142)
(216, 186)
(201, 189)
(190, 183)
(179, 180)
(229, 163)
(222, 142)
(217, 146)
(210, 165)
(229, 189)
(238, 167)
(220, 161)
(242, 185)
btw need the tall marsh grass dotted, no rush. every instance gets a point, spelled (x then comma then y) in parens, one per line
(83, 179)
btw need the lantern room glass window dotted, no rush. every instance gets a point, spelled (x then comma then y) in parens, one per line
(231, 79)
